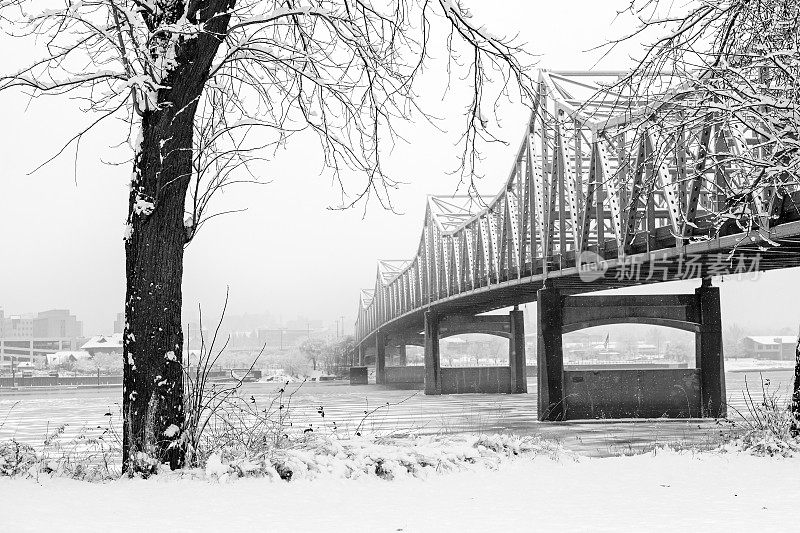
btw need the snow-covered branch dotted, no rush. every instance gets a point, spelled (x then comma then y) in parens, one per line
(724, 75)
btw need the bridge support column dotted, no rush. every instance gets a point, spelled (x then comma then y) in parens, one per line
(550, 357)
(708, 345)
(360, 355)
(401, 355)
(516, 352)
(433, 369)
(380, 357)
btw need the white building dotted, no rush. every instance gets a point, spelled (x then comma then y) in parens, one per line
(773, 347)
(108, 344)
(59, 358)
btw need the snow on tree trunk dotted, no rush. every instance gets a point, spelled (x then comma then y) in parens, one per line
(154, 247)
(796, 391)
(153, 384)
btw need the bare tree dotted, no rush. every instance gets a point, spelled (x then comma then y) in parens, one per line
(205, 87)
(720, 66)
(732, 336)
(336, 353)
(314, 350)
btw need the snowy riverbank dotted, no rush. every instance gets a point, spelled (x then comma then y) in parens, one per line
(661, 491)
(757, 365)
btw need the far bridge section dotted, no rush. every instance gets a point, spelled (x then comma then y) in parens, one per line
(599, 196)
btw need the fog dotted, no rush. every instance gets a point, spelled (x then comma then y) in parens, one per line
(289, 254)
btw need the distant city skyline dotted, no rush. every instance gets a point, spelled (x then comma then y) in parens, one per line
(233, 322)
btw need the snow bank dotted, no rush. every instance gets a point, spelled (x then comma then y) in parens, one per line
(757, 365)
(406, 457)
(661, 491)
(763, 442)
(309, 458)
(385, 458)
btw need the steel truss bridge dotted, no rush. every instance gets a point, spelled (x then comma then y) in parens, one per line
(599, 196)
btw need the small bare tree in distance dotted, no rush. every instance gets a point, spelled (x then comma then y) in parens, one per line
(205, 87)
(314, 350)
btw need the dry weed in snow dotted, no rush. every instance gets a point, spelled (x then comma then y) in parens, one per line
(348, 458)
(387, 458)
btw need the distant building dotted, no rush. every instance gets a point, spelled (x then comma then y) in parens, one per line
(303, 323)
(26, 337)
(57, 323)
(239, 339)
(29, 349)
(107, 344)
(284, 337)
(646, 350)
(119, 323)
(774, 347)
(17, 327)
(60, 358)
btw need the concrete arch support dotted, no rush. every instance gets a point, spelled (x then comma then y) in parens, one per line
(568, 394)
(508, 379)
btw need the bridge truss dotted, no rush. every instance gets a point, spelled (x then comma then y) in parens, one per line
(598, 174)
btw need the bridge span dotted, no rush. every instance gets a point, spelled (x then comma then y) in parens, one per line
(603, 193)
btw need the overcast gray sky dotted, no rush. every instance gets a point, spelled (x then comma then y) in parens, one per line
(61, 237)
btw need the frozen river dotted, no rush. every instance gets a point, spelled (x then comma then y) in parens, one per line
(28, 415)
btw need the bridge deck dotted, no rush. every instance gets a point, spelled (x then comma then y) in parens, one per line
(712, 256)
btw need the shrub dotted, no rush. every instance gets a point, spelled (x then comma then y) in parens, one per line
(768, 424)
(16, 458)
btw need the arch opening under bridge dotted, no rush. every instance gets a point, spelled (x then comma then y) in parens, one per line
(438, 379)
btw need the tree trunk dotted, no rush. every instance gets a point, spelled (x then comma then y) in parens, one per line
(153, 376)
(153, 339)
(796, 392)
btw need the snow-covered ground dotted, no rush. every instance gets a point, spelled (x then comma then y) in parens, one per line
(755, 365)
(662, 491)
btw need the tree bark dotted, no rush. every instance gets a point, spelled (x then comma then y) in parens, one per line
(795, 429)
(153, 338)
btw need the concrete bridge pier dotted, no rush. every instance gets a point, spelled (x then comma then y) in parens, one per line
(641, 393)
(433, 363)
(549, 355)
(359, 373)
(516, 351)
(380, 358)
(401, 355)
(708, 351)
(503, 379)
